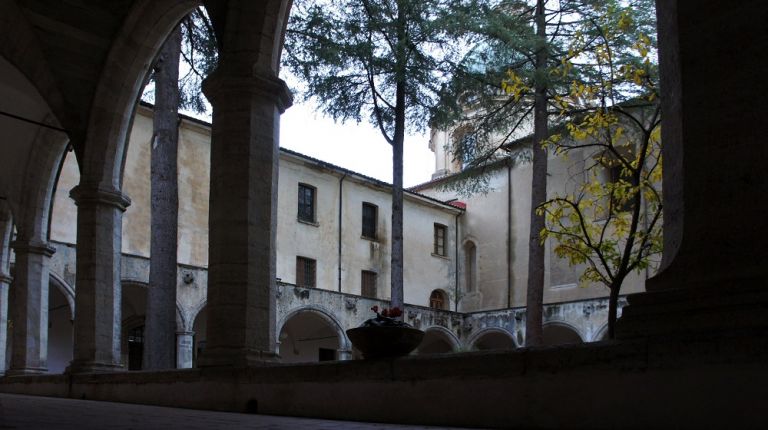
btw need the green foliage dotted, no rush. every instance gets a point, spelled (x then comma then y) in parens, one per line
(199, 57)
(492, 95)
(350, 55)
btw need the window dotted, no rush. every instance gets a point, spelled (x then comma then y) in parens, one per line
(437, 300)
(305, 272)
(306, 203)
(470, 266)
(439, 246)
(370, 212)
(368, 284)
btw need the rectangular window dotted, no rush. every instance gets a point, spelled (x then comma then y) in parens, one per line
(305, 272)
(369, 220)
(439, 248)
(306, 203)
(368, 284)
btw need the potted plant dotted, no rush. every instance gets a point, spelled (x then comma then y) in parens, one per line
(385, 336)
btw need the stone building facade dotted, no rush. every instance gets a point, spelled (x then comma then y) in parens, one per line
(690, 352)
(341, 241)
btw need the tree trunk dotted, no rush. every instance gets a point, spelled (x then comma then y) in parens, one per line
(535, 294)
(397, 169)
(160, 323)
(613, 302)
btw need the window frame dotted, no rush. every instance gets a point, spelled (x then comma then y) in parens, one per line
(375, 221)
(440, 249)
(300, 214)
(306, 263)
(374, 278)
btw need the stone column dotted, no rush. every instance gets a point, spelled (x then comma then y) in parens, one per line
(712, 58)
(5, 281)
(97, 302)
(185, 344)
(343, 354)
(243, 215)
(29, 312)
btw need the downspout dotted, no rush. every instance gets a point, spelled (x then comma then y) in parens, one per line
(456, 265)
(341, 201)
(509, 233)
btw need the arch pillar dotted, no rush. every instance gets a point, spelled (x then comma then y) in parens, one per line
(29, 312)
(97, 320)
(243, 216)
(715, 266)
(5, 281)
(185, 344)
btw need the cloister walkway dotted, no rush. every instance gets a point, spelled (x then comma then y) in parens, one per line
(40, 413)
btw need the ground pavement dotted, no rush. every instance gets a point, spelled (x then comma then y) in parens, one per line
(40, 413)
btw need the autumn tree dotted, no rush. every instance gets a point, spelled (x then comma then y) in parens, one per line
(381, 61)
(524, 62)
(612, 222)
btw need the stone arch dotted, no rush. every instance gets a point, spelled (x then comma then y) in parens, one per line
(325, 315)
(20, 46)
(33, 157)
(600, 334)
(133, 50)
(471, 343)
(181, 321)
(65, 289)
(437, 340)
(561, 332)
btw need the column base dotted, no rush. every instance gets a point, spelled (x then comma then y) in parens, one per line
(80, 366)
(236, 358)
(26, 371)
(694, 310)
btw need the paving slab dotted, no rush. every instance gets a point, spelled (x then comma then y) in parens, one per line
(21, 412)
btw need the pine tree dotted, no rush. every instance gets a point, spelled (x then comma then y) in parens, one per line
(192, 43)
(383, 61)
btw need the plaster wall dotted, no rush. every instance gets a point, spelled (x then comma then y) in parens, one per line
(485, 224)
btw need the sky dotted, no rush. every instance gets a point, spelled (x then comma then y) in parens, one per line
(357, 147)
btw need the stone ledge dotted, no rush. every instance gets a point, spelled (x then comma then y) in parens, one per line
(686, 382)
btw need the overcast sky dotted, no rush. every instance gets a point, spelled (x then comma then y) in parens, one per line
(358, 147)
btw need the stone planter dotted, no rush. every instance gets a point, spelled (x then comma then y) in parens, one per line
(385, 341)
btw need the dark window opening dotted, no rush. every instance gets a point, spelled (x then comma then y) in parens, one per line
(369, 220)
(305, 272)
(135, 348)
(306, 203)
(326, 354)
(368, 284)
(439, 244)
(437, 300)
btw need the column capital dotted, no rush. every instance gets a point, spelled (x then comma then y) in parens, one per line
(5, 278)
(220, 86)
(33, 247)
(95, 194)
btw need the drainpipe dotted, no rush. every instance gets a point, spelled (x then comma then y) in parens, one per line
(341, 201)
(509, 233)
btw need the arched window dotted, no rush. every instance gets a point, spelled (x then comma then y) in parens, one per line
(438, 300)
(470, 266)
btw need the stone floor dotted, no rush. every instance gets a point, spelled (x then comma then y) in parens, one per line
(38, 413)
